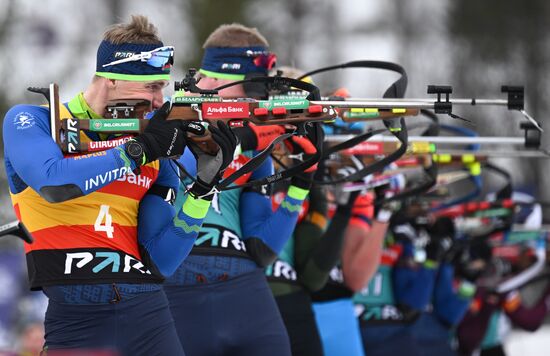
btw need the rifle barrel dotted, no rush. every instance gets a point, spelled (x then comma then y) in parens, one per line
(438, 139)
(495, 153)
(376, 103)
(424, 103)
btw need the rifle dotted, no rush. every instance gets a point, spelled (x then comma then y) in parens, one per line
(18, 229)
(514, 101)
(127, 117)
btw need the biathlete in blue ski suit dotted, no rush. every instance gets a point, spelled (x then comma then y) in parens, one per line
(219, 296)
(105, 234)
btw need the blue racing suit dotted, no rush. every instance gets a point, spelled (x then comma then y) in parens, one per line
(104, 238)
(219, 296)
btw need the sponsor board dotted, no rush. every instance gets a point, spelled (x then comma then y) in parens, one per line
(103, 261)
(225, 111)
(114, 125)
(107, 177)
(196, 99)
(370, 148)
(285, 103)
(218, 237)
(104, 145)
(283, 270)
(73, 135)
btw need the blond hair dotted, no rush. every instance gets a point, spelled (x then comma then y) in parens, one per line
(235, 35)
(139, 31)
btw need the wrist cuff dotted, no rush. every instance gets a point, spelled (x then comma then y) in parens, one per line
(297, 193)
(127, 161)
(195, 207)
(430, 264)
(466, 289)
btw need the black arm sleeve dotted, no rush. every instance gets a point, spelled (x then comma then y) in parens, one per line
(316, 253)
(260, 252)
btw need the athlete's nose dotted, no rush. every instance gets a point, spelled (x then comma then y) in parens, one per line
(158, 100)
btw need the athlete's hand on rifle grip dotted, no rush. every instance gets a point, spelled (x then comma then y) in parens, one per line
(162, 138)
(198, 134)
(341, 196)
(258, 138)
(210, 167)
(301, 149)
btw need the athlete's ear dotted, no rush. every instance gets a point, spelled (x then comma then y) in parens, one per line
(109, 88)
(105, 84)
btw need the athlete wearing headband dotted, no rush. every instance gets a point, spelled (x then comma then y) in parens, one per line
(219, 297)
(223, 64)
(105, 238)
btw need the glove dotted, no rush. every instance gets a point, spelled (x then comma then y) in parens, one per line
(360, 204)
(434, 250)
(162, 138)
(469, 273)
(210, 168)
(384, 212)
(442, 234)
(318, 199)
(341, 196)
(302, 148)
(317, 210)
(257, 138)
(455, 253)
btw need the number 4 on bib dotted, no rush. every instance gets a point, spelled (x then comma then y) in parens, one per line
(108, 226)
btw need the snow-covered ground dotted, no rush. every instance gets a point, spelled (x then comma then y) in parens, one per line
(522, 343)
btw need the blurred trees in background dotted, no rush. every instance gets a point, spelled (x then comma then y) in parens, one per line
(204, 17)
(506, 42)
(476, 46)
(5, 24)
